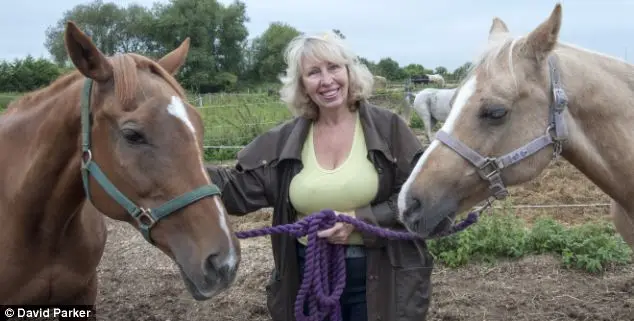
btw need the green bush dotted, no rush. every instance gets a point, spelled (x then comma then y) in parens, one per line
(501, 234)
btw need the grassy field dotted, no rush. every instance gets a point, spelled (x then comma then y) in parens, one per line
(235, 119)
(5, 98)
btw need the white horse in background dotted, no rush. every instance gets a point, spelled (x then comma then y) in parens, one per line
(437, 79)
(433, 105)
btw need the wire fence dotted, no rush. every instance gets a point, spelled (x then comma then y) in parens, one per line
(232, 120)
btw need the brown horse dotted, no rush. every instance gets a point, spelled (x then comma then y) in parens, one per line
(526, 100)
(114, 133)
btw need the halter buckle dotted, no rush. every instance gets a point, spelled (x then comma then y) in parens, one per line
(489, 168)
(145, 218)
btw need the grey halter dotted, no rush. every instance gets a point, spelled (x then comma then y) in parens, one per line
(490, 168)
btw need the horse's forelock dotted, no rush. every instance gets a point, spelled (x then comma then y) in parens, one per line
(126, 79)
(498, 48)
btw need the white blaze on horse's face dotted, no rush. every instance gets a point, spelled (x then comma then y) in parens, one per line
(463, 96)
(178, 109)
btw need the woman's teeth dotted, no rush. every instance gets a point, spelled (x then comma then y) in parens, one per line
(330, 93)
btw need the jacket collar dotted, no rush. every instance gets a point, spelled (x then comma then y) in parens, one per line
(293, 147)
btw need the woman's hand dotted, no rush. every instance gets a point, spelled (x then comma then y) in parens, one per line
(338, 234)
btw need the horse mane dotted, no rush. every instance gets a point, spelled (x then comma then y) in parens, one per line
(125, 74)
(503, 44)
(488, 56)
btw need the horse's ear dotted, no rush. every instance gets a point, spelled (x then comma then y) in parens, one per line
(498, 27)
(173, 61)
(85, 55)
(541, 41)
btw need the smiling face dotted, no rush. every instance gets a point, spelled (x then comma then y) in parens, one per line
(326, 83)
(502, 105)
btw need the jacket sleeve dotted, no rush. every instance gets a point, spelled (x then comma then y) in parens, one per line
(243, 190)
(407, 149)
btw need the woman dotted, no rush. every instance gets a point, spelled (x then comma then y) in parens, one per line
(342, 153)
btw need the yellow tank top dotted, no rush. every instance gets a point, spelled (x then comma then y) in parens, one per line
(352, 185)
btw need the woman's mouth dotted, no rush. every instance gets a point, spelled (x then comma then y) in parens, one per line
(330, 94)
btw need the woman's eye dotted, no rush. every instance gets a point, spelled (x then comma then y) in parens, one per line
(133, 136)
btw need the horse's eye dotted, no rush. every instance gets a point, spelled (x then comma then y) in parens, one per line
(494, 112)
(133, 136)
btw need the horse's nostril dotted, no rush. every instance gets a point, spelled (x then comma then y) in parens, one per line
(216, 264)
(212, 263)
(411, 204)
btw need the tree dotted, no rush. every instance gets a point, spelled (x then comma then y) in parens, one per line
(414, 70)
(389, 68)
(27, 74)
(217, 36)
(441, 70)
(110, 27)
(268, 50)
(370, 64)
(221, 58)
(461, 71)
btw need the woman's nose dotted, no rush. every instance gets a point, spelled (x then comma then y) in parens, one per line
(327, 78)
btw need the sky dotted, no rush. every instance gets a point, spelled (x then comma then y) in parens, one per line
(431, 33)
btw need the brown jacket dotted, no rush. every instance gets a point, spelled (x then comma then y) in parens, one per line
(398, 272)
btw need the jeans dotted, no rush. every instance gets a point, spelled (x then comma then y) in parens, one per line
(352, 301)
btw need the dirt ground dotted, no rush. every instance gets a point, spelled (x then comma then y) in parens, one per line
(137, 282)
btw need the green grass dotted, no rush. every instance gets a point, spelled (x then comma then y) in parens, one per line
(236, 119)
(6, 98)
(501, 234)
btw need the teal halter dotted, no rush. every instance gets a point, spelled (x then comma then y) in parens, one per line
(145, 217)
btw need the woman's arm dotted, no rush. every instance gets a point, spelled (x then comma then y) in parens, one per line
(243, 191)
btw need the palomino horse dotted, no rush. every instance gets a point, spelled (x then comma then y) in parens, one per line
(433, 105)
(118, 134)
(527, 100)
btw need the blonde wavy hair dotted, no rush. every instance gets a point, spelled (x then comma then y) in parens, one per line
(326, 47)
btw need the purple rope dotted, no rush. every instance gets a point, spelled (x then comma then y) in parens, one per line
(324, 280)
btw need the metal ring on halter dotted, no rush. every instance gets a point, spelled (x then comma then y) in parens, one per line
(146, 214)
(84, 161)
(549, 129)
(557, 145)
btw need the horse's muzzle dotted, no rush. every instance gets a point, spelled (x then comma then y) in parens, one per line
(428, 221)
